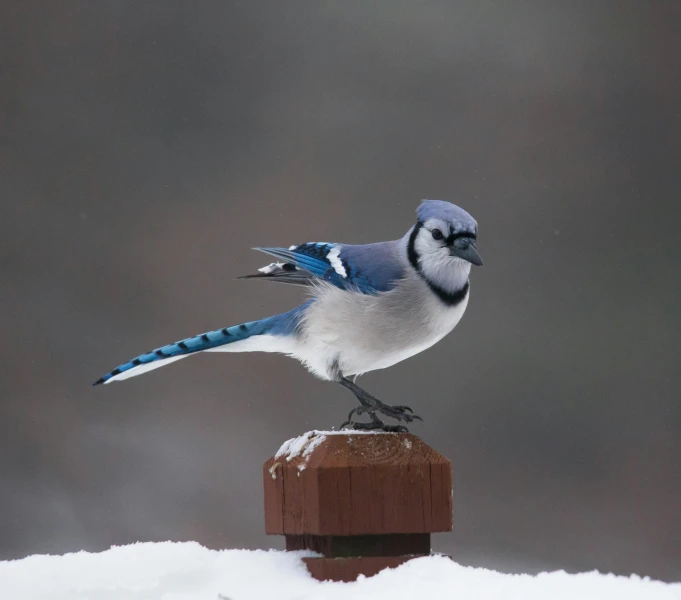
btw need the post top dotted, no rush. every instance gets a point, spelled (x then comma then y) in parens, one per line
(348, 448)
(357, 483)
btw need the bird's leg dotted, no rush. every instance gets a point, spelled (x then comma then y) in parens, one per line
(371, 405)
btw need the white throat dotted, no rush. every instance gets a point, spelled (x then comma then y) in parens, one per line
(440, 268)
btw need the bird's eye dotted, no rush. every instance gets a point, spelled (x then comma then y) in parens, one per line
(437, 234)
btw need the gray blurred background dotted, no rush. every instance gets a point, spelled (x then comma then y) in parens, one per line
(147, 146)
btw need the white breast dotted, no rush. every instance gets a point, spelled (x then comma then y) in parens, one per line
(360, 333)
(444, 319)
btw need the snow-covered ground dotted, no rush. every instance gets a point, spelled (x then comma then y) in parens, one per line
(188, 571)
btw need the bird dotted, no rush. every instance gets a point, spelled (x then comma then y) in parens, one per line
(370, 306)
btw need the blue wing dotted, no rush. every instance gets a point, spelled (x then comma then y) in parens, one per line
(369, 268)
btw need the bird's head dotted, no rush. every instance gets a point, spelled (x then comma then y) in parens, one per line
(445, 235)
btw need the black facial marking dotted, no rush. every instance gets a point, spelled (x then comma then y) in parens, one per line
(412, 255)
(452, 237)
(449, 298)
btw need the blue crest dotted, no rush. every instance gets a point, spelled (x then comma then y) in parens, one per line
(448, 212)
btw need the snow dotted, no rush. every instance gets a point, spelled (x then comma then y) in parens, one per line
(187, 571)
(305, 444)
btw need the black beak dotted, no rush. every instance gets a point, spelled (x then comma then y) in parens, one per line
(469, 253)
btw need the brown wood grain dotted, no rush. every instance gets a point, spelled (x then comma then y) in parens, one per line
(274, 496)
(358, 484)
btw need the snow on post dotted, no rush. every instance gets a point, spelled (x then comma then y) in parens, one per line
(363, 501)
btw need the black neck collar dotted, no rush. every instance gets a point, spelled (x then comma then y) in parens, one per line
(449, 298)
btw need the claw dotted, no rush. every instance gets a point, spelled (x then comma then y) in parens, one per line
(359, 411)
(401, 413)
(375, 422)
(403, 408)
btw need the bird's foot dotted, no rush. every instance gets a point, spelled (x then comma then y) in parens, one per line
(398, 412)
(374, 424)
(371, 405)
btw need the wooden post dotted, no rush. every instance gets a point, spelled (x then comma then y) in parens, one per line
(364, 500)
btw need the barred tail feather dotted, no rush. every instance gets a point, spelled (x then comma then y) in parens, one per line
(273, 334)
(132, 368)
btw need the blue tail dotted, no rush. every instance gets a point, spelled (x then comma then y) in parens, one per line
(285, 324)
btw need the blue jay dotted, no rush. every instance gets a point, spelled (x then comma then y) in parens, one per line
(371, 306)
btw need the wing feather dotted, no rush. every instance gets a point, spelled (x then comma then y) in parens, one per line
(370, 268)
(282, 273)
